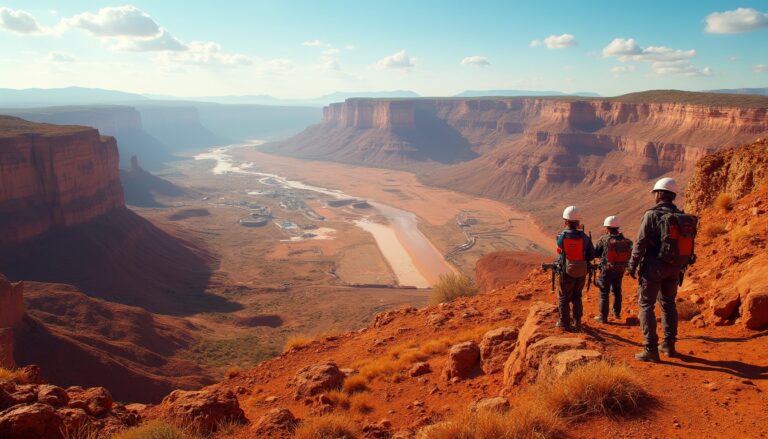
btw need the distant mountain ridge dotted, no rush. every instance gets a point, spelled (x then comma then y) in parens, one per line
(505, 93)
(743, 91)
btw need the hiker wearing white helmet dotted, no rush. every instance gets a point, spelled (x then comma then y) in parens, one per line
(614, 251)
(576, 251)
(662, 251)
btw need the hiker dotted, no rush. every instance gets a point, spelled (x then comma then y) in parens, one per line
(662, 251)
(576, 251)
(614, 251)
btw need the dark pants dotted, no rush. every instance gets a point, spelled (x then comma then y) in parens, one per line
(569, 292)
(610, 281)
(658, 277)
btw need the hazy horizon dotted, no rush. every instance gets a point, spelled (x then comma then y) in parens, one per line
(309, 49)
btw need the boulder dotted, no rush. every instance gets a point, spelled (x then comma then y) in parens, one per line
(22, 393)
(725, 303)
(754, 310)
(96, 401)
(278, 422)
(379, 430)
(497, 404)
(52, 395)
(538, 325)
(420, 368)
(73, 419)
(316, 379)
(495, 348)
(204, 409)
(462, 360)
(33, 421)
(565, 362)
(31, 373)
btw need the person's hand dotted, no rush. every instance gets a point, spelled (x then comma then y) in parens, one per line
(633, 273)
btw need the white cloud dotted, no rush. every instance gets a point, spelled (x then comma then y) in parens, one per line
(207, 53)
(619, 70)
(736, 21)
(60, 57)
(160, 42)
(399, 60)
(19, 22)
(331, 52)
(116, 21)
(330, 64)
(315, 43)
(535, 43)
(560, 41)
(477, 61)
(760, 68)
(664, 60)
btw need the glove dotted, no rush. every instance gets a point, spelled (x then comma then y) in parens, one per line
(633, 272)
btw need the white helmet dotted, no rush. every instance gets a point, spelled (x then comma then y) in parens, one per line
(612, 221)
(572, 213)
(666, 184)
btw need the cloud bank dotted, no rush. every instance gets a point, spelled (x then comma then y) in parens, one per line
(736, 21)
(664, 61)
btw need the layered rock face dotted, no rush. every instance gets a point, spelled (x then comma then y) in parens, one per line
(11, 313)
(529, 146)
(52, 177)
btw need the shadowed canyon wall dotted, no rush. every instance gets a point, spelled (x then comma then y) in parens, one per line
(53, 177)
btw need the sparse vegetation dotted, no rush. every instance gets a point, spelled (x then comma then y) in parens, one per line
(404, 355)
(724, 202)
(355, 384)
(82, 432)
(296, 342)
(326, 427)
(599, 388)
(687, 310)
(739, 234)
(450, 286)
(241, 351)
(155, 429)
(232, 372)
(15, 375)
(361, 403)
(526, 421)
(339, 399)
(713, 230)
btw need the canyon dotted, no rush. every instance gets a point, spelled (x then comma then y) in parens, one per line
(530, 149)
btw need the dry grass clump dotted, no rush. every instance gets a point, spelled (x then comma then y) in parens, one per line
(81, 432)
(527, 421)
(355, 384)
(297, 341)
(326, 427)
(155, 429)
(599, 388)
(361, 403)
(338, 399)
(17, 376)
(404, 355)
(713, 230)
(687, 310)
(739, 234)
(724, 202)
(232, 372)
(450, 286)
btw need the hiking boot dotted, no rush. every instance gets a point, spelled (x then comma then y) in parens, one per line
(617, 316)
(668, 348)
(577, 326)
(562, 326)
(601, 319)
(648, 356)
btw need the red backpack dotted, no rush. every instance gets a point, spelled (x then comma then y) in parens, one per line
(618, 253)
(575, 265)
(678, 233)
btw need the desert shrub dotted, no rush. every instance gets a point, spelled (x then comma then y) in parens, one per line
(232, 372)
(687, 310)
(526, 421)
(450, 286)
(713, 230)
(326, 427)
(338, 399)
(297, 341)
(17, 376)
(597, 388)
(355, 384)
(81, 432)
(724, 202)
(156, 429)
(739, 234)
(360, 403)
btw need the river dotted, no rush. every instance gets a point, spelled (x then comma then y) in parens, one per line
(414, 260)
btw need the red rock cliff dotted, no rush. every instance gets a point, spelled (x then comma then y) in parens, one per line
(11, 313)
(53, 176)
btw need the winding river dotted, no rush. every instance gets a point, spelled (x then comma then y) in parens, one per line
(412, 257)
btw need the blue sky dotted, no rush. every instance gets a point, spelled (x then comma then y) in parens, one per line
(309, 48)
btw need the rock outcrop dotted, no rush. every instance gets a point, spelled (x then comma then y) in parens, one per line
(53, 177)
(463, 359)
(316, 379)
(204, 410)
(11, 313)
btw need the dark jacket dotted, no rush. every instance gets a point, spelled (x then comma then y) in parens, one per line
(648, 240)
(601, 249)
